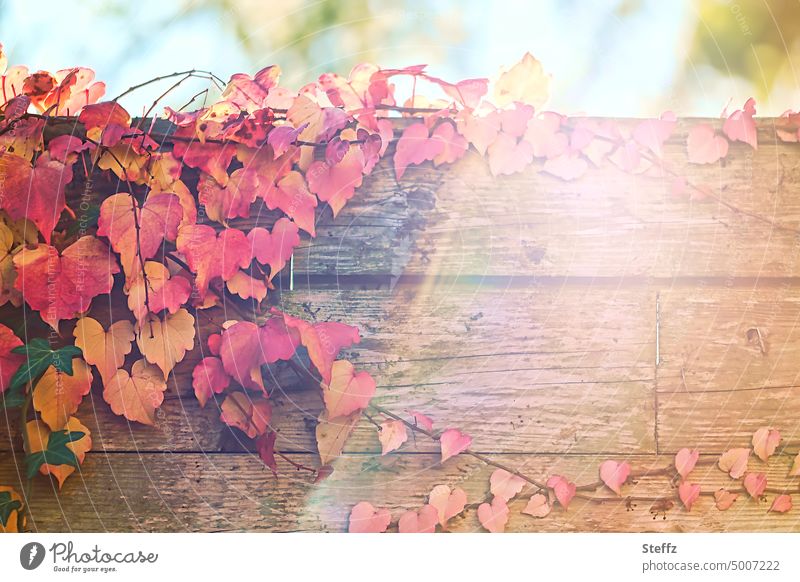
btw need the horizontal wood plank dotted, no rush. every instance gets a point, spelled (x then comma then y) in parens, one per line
(229, 492)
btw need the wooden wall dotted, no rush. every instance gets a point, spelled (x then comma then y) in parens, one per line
(522, 310)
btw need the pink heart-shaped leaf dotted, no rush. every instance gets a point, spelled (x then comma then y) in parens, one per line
(448, 503)
(494, 517)
(734, 462)
(689, 493)
(724, 499)
(537, 506)
(781, 504)
(704, 146)
(423, 521)
(364, 518)
(614, 475)
(795, 470)
(563, 489)
(453, 442)
(505, 485)
(685, 461)
(755, 484)
(765, 441)
(421, 420)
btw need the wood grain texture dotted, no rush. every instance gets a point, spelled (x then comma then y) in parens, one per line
(532, 369)
(234, 492)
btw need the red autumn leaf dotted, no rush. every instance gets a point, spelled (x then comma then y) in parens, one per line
(685, 460)
(755, 484)
(453, 442)
(278, 340)
(211, 158)
(415, 146)
(393, 433)
(250, 415)
(276, 247)
(765, 441)
(448, 503)
(423, 521)
(724, 499)
(652, 133)
(781, 504)
(705, 146)
(214, 342)
(283, 137)
(364, 518)
(505, 485)
(468, 92)
(137, 395)
(211, 255)
(347, 390)
(57, 286)
(421, 420)
(209, 378)
(158, 220)
(734, 462)
(509, 155)
(241, 354)
(35, 192)
(9, 361)
(265, 445)
(230, 201)
(454, 145)
(563, 489)
(336, 184)
(322, 340)
(97, 117)
(163, 291)
(537, 506)
(614, 475)
(290, 193)
(740, 125)
(249, 92)
(494, 517)
(688, 493)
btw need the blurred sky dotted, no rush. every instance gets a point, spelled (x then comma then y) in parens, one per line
(607, 57)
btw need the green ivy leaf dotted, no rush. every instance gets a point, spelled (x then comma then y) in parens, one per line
(7, 505)
(56, 452)
(12, 398)
(40, 357)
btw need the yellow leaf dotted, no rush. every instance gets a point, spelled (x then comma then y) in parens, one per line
(333, 433)
(164, 343)
(39, 434)
(106, 350)
(250, 415)
(137, 395)
(7, 272)
(58, 395)
(526, 82)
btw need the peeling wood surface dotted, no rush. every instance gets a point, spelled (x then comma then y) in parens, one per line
(524, 314)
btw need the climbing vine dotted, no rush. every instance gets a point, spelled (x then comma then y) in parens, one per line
(171, 243)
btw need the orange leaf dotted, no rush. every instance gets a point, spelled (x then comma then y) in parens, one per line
(163, 291)
(423, 521)
(58, 395)
(392, 434)
(765, 441)
(724, 499)
(347, 391)
(332, 434)
(537, 506)
(164, 343)
(525, 82)
(12, 524)
(734, 462)
(106, 350)
(136, 395)
(250, 415)
(781, 504)
(505, 485)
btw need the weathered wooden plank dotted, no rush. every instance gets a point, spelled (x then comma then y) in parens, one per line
(724, 338)
(539, 369)
(194, 492)
(729, 364)
(462, 221)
